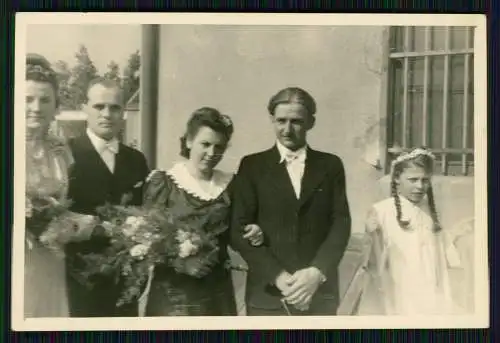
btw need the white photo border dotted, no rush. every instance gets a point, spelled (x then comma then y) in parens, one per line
(479, 320)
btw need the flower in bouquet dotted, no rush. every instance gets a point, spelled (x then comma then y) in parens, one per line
(193, 238)
(189, 243)
(67, 227)
(139, 250)
(132, 224)
(49, 221)
(135, 244)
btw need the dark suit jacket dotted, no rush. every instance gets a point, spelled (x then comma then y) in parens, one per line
(91, 185)
(310, 231)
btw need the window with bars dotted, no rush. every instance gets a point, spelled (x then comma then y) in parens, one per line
(431, 91)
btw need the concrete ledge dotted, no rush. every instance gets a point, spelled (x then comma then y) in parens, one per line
(352, 274)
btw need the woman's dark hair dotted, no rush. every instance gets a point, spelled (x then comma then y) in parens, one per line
(292, 95)
(206, 117)
(422, 161)
(38, 68)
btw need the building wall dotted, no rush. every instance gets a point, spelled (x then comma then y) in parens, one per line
(132, 132)
(237, 69)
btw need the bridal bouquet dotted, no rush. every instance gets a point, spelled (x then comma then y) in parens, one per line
(194, 237)
(144, 237)
(135, 245)
(49, 221)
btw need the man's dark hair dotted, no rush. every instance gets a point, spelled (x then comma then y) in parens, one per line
(105, 82)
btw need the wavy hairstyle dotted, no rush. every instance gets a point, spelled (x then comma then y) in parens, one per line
(206, 117)
(38, 69)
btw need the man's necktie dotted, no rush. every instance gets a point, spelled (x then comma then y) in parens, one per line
(111, 147)
(292, 158)
(108, 153)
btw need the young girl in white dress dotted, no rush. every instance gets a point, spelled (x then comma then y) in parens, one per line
(409, 260)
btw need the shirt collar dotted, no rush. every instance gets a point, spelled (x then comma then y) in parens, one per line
(101, 145)
(284, 151)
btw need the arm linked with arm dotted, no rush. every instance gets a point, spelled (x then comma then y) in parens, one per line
(244, 211)
(332, 250)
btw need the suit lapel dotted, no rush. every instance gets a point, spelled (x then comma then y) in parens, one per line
(93, 160)
(313, 175)
(278, 178)
(120, 171)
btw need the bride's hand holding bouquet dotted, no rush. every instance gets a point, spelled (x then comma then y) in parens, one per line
(195, 266)
(50, 222)
(196, 253)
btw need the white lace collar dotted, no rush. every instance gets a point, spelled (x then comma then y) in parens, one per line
(184, 180)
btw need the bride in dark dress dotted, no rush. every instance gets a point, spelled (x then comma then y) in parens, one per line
(195, 186)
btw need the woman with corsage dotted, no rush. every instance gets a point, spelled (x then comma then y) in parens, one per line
(198, 287)
(47, 161)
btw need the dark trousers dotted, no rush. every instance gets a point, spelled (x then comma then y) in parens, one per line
(100, 301)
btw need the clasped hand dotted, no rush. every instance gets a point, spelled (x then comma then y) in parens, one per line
(299, 288)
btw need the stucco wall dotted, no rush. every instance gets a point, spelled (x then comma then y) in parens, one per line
(237, 69)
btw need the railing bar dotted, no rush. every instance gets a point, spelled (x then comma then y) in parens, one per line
(430, 53)
(425, 105)
(465, 104)
(404, 139)
(420, 89)
(446, 80)
(437, 151)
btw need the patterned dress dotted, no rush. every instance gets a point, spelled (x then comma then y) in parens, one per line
(175, 294)
(44, 274)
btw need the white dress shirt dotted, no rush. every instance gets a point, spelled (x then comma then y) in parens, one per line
(295, 164)
(106, 149)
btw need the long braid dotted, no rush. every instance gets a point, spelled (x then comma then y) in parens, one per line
(432, 206)
(397, 202)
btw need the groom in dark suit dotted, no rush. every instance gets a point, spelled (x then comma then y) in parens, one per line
(297, 196)
(104, 170)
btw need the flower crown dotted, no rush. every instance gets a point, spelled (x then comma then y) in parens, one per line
(38, 69)
(411, 155)
(226, 120)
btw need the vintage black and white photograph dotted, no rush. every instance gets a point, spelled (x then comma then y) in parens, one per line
(244, 168)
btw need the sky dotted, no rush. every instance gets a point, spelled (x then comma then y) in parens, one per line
(104, 42)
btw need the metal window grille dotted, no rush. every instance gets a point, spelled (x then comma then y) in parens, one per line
(431, 88)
